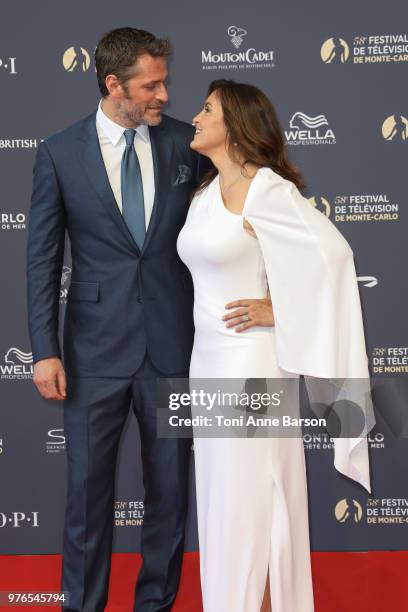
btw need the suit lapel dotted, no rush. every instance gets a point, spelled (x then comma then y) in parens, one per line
(162, 152)
(93, 164)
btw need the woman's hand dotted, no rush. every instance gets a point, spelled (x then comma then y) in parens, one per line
(249, 313)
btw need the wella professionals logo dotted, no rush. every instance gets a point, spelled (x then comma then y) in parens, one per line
(335, 51)
(307, 130)
(17, 365)
(395, 127)
(348, 510)
(76, 59)
(14, 355)
(242, 59)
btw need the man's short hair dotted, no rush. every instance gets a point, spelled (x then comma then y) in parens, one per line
(119, 49)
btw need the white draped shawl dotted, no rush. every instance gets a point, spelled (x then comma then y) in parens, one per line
(313, 286)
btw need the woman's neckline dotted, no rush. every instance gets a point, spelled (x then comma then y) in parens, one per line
(219, 194)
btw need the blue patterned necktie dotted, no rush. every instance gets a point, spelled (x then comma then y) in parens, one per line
(132, 191)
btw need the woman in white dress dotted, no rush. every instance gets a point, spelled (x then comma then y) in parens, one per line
(248, 232)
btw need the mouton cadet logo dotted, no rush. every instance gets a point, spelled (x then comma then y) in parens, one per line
(236, 35)
(240, 59)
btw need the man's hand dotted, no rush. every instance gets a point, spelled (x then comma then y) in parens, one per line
(260, 313)
(49, 378)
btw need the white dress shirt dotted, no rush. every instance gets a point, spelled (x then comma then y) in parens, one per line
(113, 144)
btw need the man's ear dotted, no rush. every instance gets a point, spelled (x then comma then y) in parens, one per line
(114, 86)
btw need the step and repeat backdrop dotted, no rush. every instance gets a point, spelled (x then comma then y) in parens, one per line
(337, 77)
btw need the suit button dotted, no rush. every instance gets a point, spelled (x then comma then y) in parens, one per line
(140, 300)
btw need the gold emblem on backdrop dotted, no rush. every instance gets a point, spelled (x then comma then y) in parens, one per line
(395, 127)
(76, 59)
(334, 51)
(347, 510)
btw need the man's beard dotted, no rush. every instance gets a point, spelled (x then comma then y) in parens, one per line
(135, 116)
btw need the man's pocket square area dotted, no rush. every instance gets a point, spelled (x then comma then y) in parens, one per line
(183, 176)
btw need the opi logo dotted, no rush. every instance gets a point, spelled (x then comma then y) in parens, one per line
(8, 64)
(19, 519)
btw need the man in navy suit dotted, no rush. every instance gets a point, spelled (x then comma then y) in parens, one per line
(119, 182)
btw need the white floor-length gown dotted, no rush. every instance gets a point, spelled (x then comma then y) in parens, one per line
(252, 493)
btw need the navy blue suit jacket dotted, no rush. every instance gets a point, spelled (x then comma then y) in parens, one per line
(121, 301)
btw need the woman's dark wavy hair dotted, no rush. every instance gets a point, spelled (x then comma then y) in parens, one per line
(254, 133)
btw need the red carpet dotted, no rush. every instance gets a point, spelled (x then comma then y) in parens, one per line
(343, 582)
